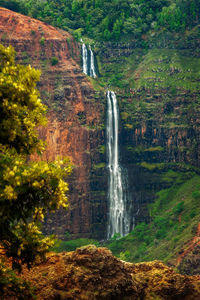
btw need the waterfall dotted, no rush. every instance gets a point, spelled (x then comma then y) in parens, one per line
(92, 67)
(88, 61)
(118, 219)
(85, 59)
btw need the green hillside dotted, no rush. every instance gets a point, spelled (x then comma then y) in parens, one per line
(174, 220)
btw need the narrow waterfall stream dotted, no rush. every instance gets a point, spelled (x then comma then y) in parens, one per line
(88, 61)
(118, 219)
(92, 66)
(85, 59)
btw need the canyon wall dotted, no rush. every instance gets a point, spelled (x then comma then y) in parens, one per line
(157, 88)
(75, 119)
(158, 93)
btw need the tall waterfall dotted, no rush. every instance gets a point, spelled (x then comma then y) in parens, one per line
(88, 61)
(118, 220)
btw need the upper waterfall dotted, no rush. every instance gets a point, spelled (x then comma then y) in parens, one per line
(88, 61)
(118, 219)
(92, 65)
(85, 59)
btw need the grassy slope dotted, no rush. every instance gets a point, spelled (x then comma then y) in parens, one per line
(174, 219)
(169, 68)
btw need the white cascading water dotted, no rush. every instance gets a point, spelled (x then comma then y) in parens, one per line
(85, 59)
(92, 66)
(88, 61)
(118, 219)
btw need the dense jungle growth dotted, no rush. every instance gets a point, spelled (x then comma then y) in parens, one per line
(112, 20)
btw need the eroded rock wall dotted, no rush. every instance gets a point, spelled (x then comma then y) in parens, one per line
(75, 118)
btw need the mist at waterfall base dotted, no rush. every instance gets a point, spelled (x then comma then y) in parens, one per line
(119, 218)
(88, 61)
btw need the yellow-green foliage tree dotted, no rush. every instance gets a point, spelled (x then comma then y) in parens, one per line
(27, 189)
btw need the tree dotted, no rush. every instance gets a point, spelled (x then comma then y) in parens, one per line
(10, 4)
(27, 189)
(116, 30)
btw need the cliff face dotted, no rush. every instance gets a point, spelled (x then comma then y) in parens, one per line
(74, 119)
(158, 93)
(93, 273)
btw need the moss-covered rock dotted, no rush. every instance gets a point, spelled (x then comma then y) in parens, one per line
(92, 273)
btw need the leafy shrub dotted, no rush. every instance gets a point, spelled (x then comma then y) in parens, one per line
(10, 4)
(178, 208)
(196, 195)
(161, 233)
(54, 61)
(140, 231)
(42, 41)
(141, 251)
(193, 213)
(125, 255)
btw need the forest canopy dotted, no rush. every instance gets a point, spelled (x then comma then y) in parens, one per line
(113, 19)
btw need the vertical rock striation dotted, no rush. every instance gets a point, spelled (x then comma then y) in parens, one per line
(74, 119)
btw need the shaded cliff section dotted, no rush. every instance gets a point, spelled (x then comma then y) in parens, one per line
(75, 119)
(94, 273)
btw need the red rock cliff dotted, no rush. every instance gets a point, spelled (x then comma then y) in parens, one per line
(75, 111)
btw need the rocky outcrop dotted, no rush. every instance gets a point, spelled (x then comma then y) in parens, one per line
(75, 118)
(93, 273)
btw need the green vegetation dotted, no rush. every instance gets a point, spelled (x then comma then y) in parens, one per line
(42, 41)
(112, 20)
(141, 149)
(73, 244)
(150, 85)
(174, 218)
(102, 149)
(152, 166)
(54, 61)
(27, 189)
(118, 73)
(99, 166)
(169, 69)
